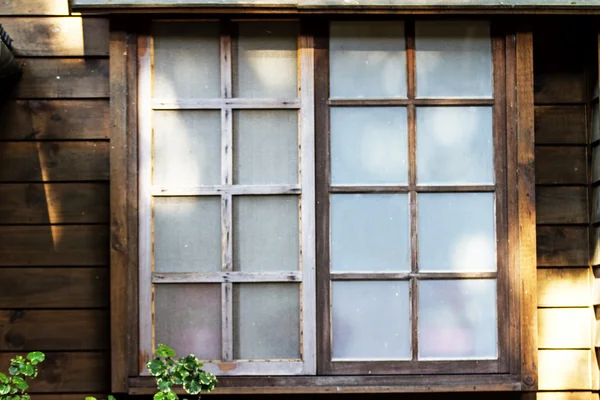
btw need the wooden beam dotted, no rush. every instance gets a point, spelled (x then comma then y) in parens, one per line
(34, 7)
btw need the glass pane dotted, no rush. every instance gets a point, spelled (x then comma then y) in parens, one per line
(266, 233)
(187, 148)
(367, 59)
(265, 147)
(457, 319)
(457, 232)
(187, 234)
(265, 60)
(595, 122)
(453, 59)
(371, 320)
(186, 60)
(369, 145)
(266, 321)
(188, 318)
(369, 232)
(455, 146)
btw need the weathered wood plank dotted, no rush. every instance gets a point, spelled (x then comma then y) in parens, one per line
(54, 203)
(54, 161)
(561, 205)
(562, 246)
(43, 330)
(60, 36)
(63, 78)
(595, 247)
(565, 328)
(560, 165)
(560, 125)
(63, 396)
(564, 369)
(82, 372)
(563, 287)
(34, 7)
(23, 288)
(595, 214)
(54, 119)
(56, 245)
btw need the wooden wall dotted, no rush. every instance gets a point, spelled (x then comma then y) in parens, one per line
(54, 203)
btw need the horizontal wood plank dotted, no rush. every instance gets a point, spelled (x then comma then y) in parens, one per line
(23, 288)
(82, 372)
(60, 36)
(564, 369)
(565, 328)
(560, 125)
(54, 119)
(562, 246)
(58, 245)
(561, 205)
(66, 396)
(44, 330)
(63, 78)
(54, 203)
(54, 161)
(563, 287)
(560, 165)
(595, 214)
(34, 7)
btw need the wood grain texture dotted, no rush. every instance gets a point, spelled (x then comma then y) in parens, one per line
(51, 330)
(63, 78)
(560, 125)
(59, 36)
(561, 205)
(34, 7)
(562, 246)
(54, 203)
(565, 328)
(560, 165)
(564, 369)
(54, 120)
(82, 372)
(22, 288)
(78, 245)
(563, 287)
(54, 161)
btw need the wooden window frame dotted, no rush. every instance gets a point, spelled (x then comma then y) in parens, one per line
(126, 353)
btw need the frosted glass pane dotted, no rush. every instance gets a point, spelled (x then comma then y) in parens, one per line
(457, 319)
(453, 59)
(188, 319)
(187, 234)
(457, 232)
(187, 148)
(265, 147)
(265, 60)
(369, 232)
(595, 122)
(371, 320)
(266, 321)
(367, 59)
(186, 60)
(369, 145)
(455, 146)
(265, 233)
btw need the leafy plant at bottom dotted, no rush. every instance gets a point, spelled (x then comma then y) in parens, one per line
(14, 385)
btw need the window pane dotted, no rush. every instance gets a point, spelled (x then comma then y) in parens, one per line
(457, 232)
(457, 319)
(266, 233)
(367, 59)
(265, 147)
(453, 59)
(187, 148)
(266, 321)
(369, 145)
(186, 60)
(369, 232)
(188, 319)
(265, 60)
(371, 320)
(455, 146)
(187, 234)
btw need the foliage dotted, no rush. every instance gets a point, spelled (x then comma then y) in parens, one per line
(186, 371)
(14, 386)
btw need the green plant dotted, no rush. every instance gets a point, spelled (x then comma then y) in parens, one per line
(186, 371)
(14, 386)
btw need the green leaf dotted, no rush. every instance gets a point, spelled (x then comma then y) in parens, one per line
(192, 386)
(25, 396)
(156, 366)
(4, 389)
(36, 357)
(90, 398)
(111, 397)
(164, 385)
(4, 378)
(159, 396)
(13, 370)
(169, 351)
(20, 383)
(27, 369)
(172, 396)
